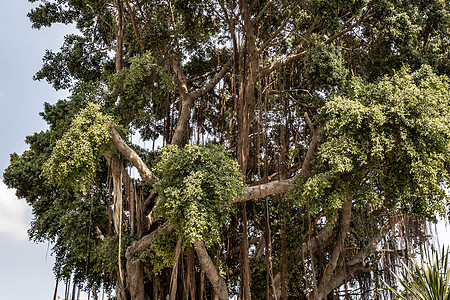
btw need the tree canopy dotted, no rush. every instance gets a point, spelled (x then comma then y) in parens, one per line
(291, 149)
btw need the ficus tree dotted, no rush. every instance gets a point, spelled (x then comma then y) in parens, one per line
(305, 145)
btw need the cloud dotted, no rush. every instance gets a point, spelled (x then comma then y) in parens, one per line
(13, 214)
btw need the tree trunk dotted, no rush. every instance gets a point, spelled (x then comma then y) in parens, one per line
(120, 290)
(135, 280)
(218, 283)
(174, 276)
(338, 251)
(191, 273)
(245, 262)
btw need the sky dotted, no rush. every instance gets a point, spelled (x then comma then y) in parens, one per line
(26, 267)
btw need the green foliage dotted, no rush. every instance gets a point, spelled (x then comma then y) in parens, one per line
(160, 254)
(428, 279)
(404, 33)
(75, 157)
(142, 85)
(197, 182)
(384, 141)
(324, 66)
(384, 144)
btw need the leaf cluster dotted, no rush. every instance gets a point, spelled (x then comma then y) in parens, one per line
(384, 144)
(160, 254)
(76, 155)
(196, 184)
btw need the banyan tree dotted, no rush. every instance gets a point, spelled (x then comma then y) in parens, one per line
(230, 149)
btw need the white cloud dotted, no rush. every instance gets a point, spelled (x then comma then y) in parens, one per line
(13, 214)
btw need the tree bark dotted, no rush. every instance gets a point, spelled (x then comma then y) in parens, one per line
(174, 276)
(218, 283)
(120, 290)
(139, 246)
(132, 157)
(190, 269)
(135, 279)
(338, 250)
(119, 35)
(356, 263)
(187, 98)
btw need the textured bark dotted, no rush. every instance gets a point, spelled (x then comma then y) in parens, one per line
(187, 99)
(135, 275)
(137, 247)
(249, 65)
(191, 272)
(179, 136)
(132, 157)
(356, 263)
(338, 250)
(202, 285)
(120, 290)
(174, 276)
(135, 279)
(244, 259)
(117, 221)
(263, 190)
(218, 283)
(306, 166)
(317, 242)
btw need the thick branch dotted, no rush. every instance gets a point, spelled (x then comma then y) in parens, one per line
(218, 283)
(280, 28)
(263, 190)
(281, 186)
(339, 248)
(186, 104)
(213, 82)
(339, 278)
(180, 78)
(132, 157)
(357, 262)
(137, 247)
(187, 99)
(307, 166)
(317, 242)
(183, 120)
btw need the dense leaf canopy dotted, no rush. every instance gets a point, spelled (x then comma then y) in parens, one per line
(306, 143)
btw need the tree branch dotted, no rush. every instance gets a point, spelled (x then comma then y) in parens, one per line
(218, 283)
(357, 262)
(263, 190)
(280, 28)
(213, 82)
(338, 249)
(281, 186)
(307, 166)
(139, 246)
(132, 157)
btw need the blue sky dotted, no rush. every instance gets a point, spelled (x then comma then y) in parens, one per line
(26, 267)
